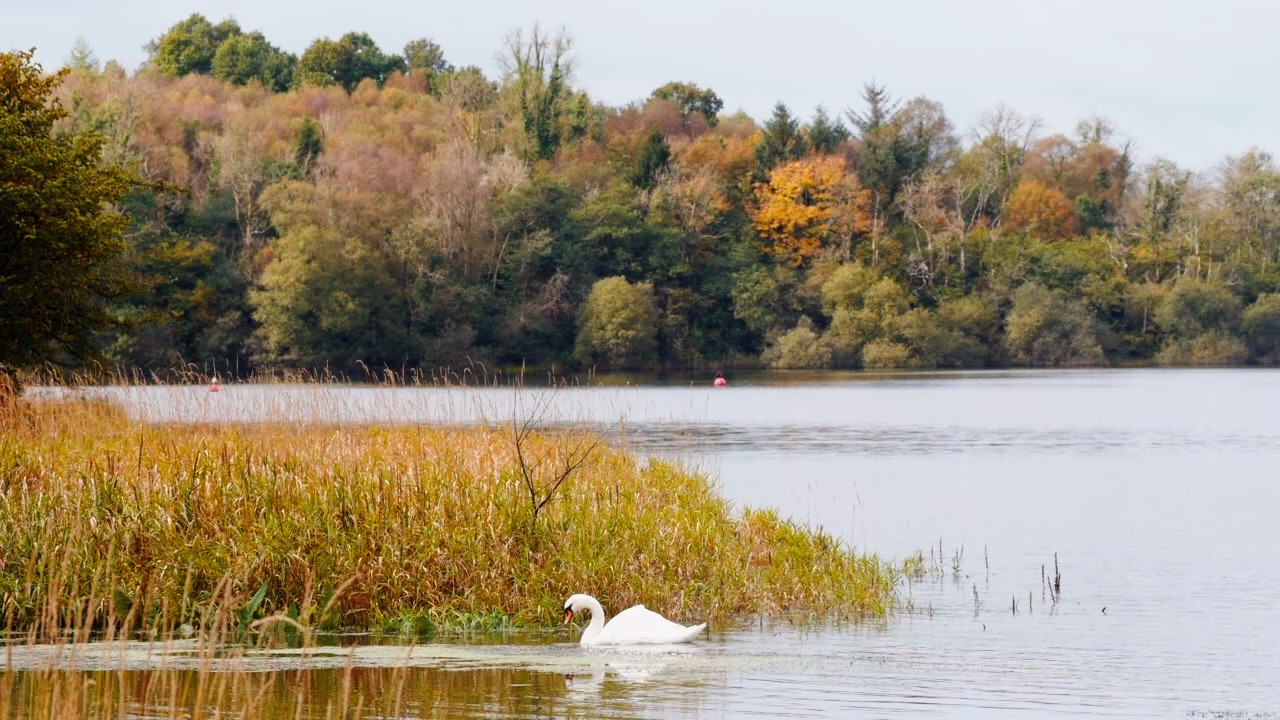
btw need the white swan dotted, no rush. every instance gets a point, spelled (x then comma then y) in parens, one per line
(634, 626)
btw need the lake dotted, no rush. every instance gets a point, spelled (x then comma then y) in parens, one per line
(1156, 490)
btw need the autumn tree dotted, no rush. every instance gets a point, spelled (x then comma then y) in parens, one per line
(1092, 175)
(811, 207)
(992, 167)
(471, 101)
(1040, 211)
(453, 208)
(691, 99)
(60, 229)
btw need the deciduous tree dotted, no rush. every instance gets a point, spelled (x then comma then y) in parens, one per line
(1040, 211)
(538, 72)
(691, 99)
(346, 61)
(245, 58)
(190, 45)
(618, 325)
(810, 207)
(60, 227)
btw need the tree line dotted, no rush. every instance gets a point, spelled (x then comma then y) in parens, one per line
(352, 208)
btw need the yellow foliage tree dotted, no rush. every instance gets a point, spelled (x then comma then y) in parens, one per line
(1040, 211)
(811, 207)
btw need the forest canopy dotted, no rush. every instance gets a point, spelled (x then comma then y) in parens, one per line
(355, 207)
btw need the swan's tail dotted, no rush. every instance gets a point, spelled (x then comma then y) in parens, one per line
(692, 632)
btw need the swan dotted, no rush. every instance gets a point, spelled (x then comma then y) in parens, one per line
(636, 625)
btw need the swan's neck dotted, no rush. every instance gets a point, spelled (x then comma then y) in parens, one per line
(597, 620)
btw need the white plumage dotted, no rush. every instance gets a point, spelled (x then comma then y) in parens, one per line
(636, 625)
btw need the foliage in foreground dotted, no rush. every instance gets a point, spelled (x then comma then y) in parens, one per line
(106, 516)
(60, 238)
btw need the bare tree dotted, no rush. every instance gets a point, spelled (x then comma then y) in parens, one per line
(542, 474)
(538, 70)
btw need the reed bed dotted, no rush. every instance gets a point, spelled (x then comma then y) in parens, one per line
(106, 519)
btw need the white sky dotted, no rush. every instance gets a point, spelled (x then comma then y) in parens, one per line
(1192, 81)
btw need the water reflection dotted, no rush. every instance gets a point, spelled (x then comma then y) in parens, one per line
(322, 693)
(364, 680)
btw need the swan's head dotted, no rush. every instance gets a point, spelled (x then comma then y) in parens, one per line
(575, 604)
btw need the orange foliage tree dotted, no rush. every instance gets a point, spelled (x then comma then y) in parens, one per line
(1040, 211)
(811, 207)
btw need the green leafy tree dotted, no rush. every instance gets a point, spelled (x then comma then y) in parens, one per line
(1195, 307)
(618, 325)
(691, 99)
(347, 61)
(760, 300)
(333, 292)
(1046, 328)
(248, 57)
(426, 57)
(799, 348)
(1201, 321)
(1262, 328)
(60, 234)
(190, 307)
(190, 45)
(865, 308)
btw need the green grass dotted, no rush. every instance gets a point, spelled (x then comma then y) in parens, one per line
(106, 519)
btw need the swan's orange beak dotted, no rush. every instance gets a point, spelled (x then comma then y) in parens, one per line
(568, 615)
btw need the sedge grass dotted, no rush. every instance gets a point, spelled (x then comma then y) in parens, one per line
(364, 527)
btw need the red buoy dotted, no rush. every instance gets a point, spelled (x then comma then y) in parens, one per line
(213, 387)
(720, 381)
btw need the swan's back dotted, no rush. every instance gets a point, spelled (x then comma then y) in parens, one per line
(639, 625)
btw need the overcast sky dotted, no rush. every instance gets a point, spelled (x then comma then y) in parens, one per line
(1188, 80)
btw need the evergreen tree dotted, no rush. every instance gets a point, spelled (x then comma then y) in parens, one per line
(823, 134)
(654, 158)
(782, 141)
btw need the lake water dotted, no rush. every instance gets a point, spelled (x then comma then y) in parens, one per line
(1156, 489)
